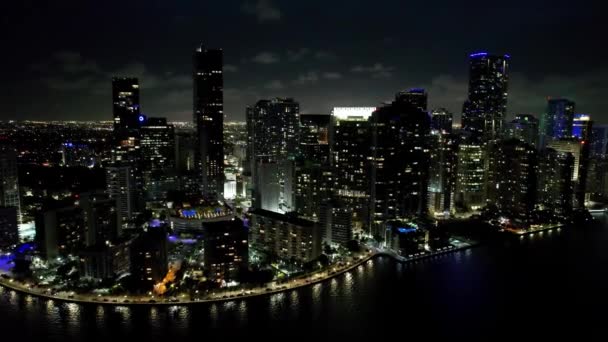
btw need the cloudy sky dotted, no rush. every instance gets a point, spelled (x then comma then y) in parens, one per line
(58, 56)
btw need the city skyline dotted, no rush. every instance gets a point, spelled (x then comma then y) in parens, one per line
(333, 63)
(326, 168)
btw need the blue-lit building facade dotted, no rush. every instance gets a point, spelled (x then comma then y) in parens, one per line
(556, 122)
(582, 127)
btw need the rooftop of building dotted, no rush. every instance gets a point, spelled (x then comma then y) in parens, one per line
(291, 218)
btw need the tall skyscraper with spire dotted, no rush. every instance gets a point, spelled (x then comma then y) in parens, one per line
(209, 119)
(484, 111)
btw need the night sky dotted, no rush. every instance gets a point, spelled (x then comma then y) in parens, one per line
(58, 57)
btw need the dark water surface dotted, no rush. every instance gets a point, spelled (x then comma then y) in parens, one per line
(540, 286)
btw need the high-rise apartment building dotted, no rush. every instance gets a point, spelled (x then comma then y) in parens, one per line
(209, 119)
(580, 152)
(121, 187)
(556, 122)
(599, 141)
(511, 179)
(226, 250)
(555, 184)
(101, 218)
(524, 128)
(158, 158)
(400, 157)
(443, 147)
(285, 235)
(185, 162)
(470, 174)
(9, 178)
(350, 150)
(273, 127)
(582, 127)
(9, 231)
(313, 175)
(416, 97)
(441, 120)
(485, 109)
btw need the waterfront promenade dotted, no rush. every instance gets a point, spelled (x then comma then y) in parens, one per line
(229, 295)
(185, 299)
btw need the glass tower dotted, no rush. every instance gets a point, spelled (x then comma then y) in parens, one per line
(485, 109)
(209, 119)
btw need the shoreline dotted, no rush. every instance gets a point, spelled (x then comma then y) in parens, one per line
(299, 283)
(11, 285)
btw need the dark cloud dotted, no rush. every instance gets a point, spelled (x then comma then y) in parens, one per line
(274, 85)
(266, 58)
(332, 75)
(297, 55)
(264, 10)
(310, 77)
(230, 68)
(61, 55)
(377, 70)
(325, 55)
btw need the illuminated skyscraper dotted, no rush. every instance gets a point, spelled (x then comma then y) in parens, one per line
(443, 147)
(556, 122)
(485, 109)
(158, 158)
(273, 127)
(209, 119)
(350, 137)
(511, 179)
(126, 150)
(61, 230)
(127, 119)
(312, 165)
(579, 151)
(268, 185)
(148, 253)
(441, 120)
(336, 219)
(126, 107)
(226, 250)
(555, 186)
(416, 97)
(470, 174)
(400, 160)
(9, 179)
(597, 180)
(582, 127)
(185, 161)
(523, 128)
(599, 140)
(120, 182)
(101, 218)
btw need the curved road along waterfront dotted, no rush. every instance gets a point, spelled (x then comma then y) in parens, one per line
(313, 279)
